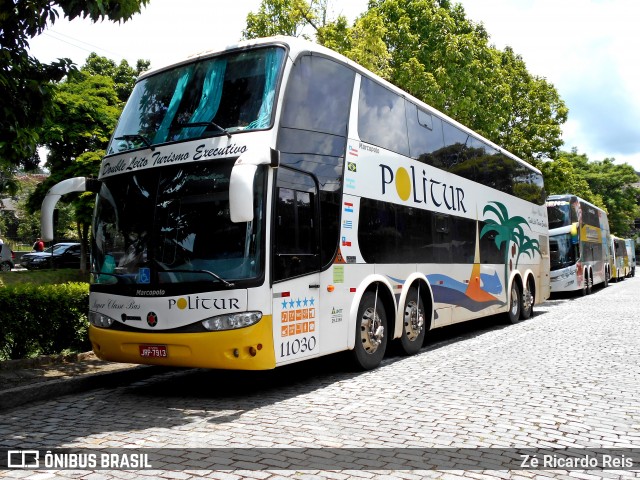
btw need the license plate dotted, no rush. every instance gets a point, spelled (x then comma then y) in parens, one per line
(153, 351)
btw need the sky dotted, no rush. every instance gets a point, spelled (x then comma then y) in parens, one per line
(588, 49)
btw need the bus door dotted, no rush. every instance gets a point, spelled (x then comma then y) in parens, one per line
(296, 266)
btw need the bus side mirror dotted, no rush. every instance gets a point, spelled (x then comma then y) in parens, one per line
(574, 233)
(241, 192)
(76, 184)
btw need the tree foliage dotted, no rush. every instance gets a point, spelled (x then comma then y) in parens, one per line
(614, 183)
(285, 17)
(363, 43)
(86, 107)
(85, 112)
(431, 50)
(604, 183)
(123, 75)
(565, 174)
(446, 60)
(26, 85)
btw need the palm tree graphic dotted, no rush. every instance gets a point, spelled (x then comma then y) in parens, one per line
(508, 231)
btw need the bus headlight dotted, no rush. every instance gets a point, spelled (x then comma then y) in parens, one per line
(100, 320)
(231, 321)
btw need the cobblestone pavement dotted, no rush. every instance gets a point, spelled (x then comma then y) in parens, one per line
(567, 378)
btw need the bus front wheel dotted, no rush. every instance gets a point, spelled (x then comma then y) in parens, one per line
(371, 332)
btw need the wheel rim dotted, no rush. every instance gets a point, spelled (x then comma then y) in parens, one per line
(514, 300)
(527, 299)
(413, 320)
(371, 330)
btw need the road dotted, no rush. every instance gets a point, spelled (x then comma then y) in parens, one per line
(567, 378)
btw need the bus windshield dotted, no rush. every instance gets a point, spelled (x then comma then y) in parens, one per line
(172, 225)
(562, 250)
(214, 96)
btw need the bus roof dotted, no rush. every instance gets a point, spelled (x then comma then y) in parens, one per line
(299, 45)
(569, 196)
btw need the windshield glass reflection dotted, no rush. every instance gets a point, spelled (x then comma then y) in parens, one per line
(214, 96)
(563, 251)
(172, 225)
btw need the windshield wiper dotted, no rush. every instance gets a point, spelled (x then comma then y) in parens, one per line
(162, 269)
(137, 136)
(119, 276)
(205, 124)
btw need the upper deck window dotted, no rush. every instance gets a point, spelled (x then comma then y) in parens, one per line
(229, 93)
(318, 96)
(382, 118)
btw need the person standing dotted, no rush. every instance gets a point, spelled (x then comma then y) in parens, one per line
(38, 246)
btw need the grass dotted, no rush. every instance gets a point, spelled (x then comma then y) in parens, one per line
(43, 277)
(19, 247)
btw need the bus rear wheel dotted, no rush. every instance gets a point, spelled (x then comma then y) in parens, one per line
(528, 300)
(515, 303)
(413, 323)
(371, 326)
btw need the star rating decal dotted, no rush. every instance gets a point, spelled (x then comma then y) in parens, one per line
(298, 302)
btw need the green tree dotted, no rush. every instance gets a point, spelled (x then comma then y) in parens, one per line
(613, 182)
(363, 43)
(431, 50)
(604, 183)
(532, 112)
(566, 174)
(285, 17)
(86, 107)
(445, 59)
(26, 88)
(123, 75)
(86, 110)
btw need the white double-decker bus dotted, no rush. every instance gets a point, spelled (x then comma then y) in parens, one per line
(276, 202)
(579, 243)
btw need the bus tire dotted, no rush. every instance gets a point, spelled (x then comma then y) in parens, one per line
(515, 303)
(606, 278)
(528, 300)
(414, 325)
(585, 281)
(371, 332)
(589, 281)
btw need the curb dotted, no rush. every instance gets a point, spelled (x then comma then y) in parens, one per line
(44, 360)
(19, 396)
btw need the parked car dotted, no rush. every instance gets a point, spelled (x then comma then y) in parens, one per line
(60, 255)
(7, 258)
